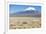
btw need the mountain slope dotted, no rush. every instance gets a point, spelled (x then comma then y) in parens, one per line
(27, 13)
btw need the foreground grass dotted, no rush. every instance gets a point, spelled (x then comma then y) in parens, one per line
(24, 22)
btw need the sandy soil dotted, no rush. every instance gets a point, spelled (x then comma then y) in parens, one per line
(24, 22)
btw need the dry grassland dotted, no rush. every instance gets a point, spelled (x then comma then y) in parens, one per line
(24, 22)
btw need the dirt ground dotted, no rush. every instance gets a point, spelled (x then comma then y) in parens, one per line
(24, 22)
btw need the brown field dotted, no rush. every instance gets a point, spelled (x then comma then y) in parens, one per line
(24, 22)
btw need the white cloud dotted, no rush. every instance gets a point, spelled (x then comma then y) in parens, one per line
(30, 8)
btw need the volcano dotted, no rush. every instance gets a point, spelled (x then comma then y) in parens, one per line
(27, 13)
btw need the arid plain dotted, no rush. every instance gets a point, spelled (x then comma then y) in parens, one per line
(24, 22)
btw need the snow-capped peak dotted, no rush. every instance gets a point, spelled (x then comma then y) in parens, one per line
(30, 8)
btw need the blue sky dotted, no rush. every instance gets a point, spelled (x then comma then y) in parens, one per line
(17, 8)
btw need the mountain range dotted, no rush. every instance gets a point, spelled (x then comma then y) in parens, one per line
(28, 13)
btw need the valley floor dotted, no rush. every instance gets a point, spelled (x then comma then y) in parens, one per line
(24, 22)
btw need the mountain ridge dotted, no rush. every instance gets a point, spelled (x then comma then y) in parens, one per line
(27, 13)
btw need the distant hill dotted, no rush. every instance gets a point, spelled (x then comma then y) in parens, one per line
(28, 13)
